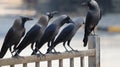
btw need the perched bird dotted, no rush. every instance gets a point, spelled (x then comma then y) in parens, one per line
(67, 33)
(92, 19)
(51, 31)
(14, 35)
(34, 34)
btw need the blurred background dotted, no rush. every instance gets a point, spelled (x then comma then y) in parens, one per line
(108, 27)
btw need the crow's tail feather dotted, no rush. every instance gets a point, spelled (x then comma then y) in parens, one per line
(3, 51)
(85, 40)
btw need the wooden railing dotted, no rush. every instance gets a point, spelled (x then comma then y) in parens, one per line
(93, 54)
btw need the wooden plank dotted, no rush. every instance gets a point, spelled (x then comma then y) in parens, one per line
(94, 43)
(25, 65)
(82, 62)
(49, 63)
(34, 58)
(71, 62)
(37, 64)
(60, 62)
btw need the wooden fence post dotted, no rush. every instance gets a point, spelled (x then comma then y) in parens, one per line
(37, 64)
(82, 62)
(12, 66)
(25, 65)
(71, 62)
(94, 43)
(49, 63)
(60, 62)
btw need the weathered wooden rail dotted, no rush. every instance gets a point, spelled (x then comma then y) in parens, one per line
(93, 54)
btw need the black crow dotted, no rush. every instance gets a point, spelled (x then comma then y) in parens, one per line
(67, 33)
(33, 35)
(92, 19)
(14, 35)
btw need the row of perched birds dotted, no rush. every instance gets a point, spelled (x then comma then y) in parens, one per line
(42, 33)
